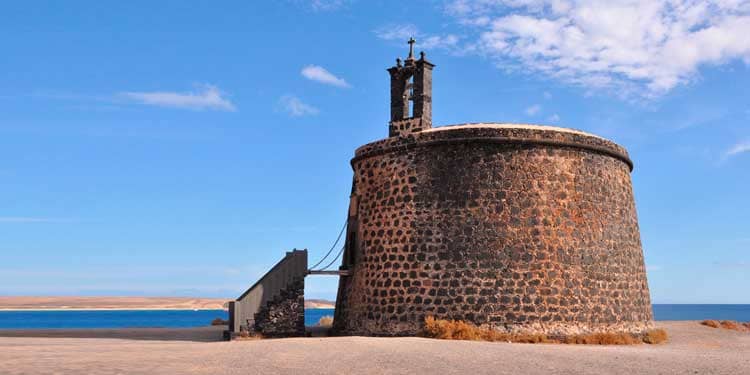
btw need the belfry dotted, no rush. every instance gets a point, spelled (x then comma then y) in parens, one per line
(411, 94)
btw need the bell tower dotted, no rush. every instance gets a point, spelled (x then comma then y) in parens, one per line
(411, 94)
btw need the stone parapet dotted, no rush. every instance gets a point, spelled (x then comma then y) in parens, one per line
(493, 133)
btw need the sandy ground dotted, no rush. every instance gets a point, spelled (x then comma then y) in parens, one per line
(109, 303)
(127, 303)
(693, 349)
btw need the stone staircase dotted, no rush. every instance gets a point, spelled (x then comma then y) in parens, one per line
(275, 305)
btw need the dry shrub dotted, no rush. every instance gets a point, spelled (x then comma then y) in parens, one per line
(711, 323)
(529, 339)
(326, 321)
(219, 322)
(655, 336)
(451, 329)
(603, 339)
(731, 324)
(459, 330)
(245, 335)
(727, 324)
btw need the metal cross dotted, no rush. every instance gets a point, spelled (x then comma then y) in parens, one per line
(411, 47)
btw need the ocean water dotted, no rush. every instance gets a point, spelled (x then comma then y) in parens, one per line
(740, 313)
(108, 318)
(191, 318)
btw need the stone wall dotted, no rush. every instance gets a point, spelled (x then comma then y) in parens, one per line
(525, 229)
(284, 316)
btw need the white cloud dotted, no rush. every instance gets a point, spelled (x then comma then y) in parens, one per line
(320, 74)
(397, 32)
(642, 47)
(295, 107)
(438, 41)
(547, 95)
(737, 149)
(533, 110)
(554, 118)
(402, 32)
(209, 97)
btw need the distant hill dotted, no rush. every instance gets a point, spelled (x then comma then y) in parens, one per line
(128, 303)
(319, 304)
(111, 303)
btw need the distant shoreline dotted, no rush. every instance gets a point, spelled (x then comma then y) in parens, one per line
(113, 309)
(140, 309)
(74, 303)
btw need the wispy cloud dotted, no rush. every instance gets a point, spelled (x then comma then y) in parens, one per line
(26, 219)
(320, 74)
(209, 97)
(533, 110)
(327, 5)
(641, 48)
(293, 106)
(554, 118)
(402, 32)
(397, 32)
(737, 149)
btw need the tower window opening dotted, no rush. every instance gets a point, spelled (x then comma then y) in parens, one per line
(409, 97)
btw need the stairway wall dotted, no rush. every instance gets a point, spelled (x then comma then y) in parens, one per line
(285, 315)
(277, 299)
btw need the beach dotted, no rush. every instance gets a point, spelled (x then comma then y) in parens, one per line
(692, 349)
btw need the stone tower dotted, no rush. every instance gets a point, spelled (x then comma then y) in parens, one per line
(411, 95)
(520, 228)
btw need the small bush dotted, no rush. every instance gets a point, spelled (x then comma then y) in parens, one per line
(727, 324)
(245, 335)
(459, 330)
(326, 321)
(730, 324)
(219, 322)
(603, 339)
(711, 323)
(655, 336)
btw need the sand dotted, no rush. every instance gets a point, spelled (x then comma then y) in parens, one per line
(110, 303)
(127, 303)
(693, 349)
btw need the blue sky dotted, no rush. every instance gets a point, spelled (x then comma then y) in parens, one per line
(179, 148)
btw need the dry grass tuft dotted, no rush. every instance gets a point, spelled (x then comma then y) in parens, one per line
(459, 330)
(245, 335)
(603, 339)
(219, 322)
(655, 336)
(727, 324)
(326, 321)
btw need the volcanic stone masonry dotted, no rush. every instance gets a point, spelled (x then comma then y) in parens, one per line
(284, 316)
(520, 228)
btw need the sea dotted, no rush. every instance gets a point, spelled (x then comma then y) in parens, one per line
(56, 319)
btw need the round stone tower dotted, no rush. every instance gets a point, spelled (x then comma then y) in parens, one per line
(520, 228)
